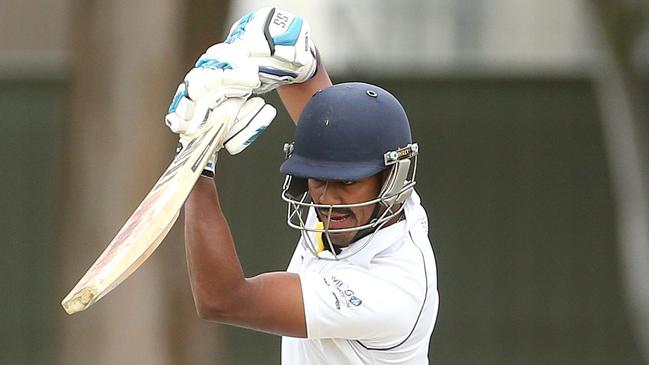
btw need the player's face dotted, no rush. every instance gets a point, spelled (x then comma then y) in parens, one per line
(348, 192)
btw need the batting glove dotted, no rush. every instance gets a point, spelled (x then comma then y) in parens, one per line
(253, 119)
(279, 43)
(222, 72)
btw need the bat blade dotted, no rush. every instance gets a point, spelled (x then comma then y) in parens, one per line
(149, 224)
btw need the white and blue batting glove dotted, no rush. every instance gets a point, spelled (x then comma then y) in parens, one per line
(222, 72)
(279, 43)
(253, 119)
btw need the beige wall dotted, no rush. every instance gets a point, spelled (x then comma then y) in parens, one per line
(34, 36)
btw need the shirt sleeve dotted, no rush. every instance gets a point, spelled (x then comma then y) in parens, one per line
(351, 303)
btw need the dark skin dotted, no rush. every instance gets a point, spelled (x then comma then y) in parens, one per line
(341, 192)
(270, 302)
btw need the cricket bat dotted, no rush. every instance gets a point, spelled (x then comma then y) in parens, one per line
(153, 218)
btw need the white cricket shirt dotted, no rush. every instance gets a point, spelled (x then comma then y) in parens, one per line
(376, 307)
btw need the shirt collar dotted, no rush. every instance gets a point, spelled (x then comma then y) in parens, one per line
(381, 239)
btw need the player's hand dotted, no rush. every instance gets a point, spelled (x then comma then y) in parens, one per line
(279, 43)
(221, 72)
(253, 119)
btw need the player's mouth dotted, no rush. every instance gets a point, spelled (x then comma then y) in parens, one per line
(336, 219)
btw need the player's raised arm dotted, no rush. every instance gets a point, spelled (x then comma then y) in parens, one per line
(270, 302)
(220, 290)
(296, 96)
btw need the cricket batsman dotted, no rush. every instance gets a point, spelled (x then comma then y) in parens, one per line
(361, 287)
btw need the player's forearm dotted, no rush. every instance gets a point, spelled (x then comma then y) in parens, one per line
(296, 96)
(270, 302)
(214, 269)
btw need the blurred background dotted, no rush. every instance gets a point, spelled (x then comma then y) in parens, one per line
(533, 125)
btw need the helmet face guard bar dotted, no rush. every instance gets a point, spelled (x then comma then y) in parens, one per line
(296, 218)
(396, 188)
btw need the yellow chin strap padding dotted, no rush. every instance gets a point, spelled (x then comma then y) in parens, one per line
(318, 237)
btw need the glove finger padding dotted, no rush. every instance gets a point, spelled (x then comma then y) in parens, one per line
(191, 117)
(253, 119)
(279, 43)
(221, 72)
(180, 110)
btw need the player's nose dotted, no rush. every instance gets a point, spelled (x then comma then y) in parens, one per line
(327, 192)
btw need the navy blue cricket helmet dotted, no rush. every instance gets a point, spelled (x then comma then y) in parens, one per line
(348, 132)
(344, 132)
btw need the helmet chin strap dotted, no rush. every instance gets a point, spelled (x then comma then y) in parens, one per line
(327, 246)
(359, 234)
(369, 230)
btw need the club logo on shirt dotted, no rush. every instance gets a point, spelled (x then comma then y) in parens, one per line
(355, 300)
(342, 293)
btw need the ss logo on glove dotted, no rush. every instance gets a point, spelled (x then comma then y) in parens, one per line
(280, 19)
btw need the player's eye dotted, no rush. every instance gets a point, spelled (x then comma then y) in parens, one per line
(348, 182)
(316, 183)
